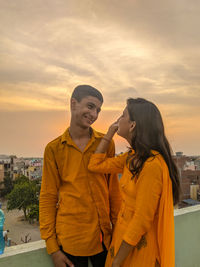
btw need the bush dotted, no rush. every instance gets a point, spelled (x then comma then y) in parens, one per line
(33, 213)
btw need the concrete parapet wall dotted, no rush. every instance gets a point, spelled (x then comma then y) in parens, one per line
(187, 243)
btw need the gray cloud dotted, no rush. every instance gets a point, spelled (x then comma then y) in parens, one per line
(126, 49)
(173, 23)
(120, 95)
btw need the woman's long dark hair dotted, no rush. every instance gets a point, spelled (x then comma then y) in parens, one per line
(149, 135)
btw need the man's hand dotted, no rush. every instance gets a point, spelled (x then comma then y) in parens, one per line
(60, 260)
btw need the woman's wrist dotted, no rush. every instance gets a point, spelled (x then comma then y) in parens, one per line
(107, 139)
(109, 135)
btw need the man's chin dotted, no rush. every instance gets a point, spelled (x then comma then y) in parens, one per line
(86, 126)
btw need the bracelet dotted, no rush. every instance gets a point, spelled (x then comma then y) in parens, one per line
(106, 139)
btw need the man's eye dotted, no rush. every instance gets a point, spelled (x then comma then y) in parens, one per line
(90, 106)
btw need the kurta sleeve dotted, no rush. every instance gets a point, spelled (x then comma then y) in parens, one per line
(114, 190)
(48, 200)
(148, 192)
(99, 162)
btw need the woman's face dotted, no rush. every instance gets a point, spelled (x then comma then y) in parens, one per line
(125, 125)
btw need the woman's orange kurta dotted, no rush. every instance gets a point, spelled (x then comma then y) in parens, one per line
(146, 218)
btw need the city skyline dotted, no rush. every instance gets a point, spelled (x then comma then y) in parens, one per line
(146, 49)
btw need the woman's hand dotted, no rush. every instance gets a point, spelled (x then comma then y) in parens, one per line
(122, 254)
(103, 146)
(112, 130)
(115, 263)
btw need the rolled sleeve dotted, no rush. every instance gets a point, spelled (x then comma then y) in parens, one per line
(52, 245)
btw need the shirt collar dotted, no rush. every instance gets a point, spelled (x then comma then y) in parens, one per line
(96, 134)
(65, 137)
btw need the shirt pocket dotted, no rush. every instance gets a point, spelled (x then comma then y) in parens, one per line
(126, 214)
(69, 206)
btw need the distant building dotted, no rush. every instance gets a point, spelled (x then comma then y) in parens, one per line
(7, 166)
(179, 154)
(14, 167)
(1, 173)
(189, 179)
(180, 160)
(189, 165)
(197, 163)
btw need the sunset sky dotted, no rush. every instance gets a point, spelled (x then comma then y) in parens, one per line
(132, 48)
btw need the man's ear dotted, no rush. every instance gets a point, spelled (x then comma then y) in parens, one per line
(133, 124)
(73, 102)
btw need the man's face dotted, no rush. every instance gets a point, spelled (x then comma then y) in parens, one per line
(85, 112)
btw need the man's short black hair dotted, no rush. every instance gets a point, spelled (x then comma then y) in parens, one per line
(82, 91)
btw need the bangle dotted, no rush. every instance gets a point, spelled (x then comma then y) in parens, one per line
(106, 139)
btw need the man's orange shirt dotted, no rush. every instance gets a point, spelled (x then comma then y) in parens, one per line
(77, 207)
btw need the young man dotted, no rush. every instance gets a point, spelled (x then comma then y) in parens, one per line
(77, 207)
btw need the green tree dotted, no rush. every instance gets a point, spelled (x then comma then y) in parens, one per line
(22, 196)
(21, 179)
(7, 185)
(33, 213)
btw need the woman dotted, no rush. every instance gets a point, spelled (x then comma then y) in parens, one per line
(144, 233)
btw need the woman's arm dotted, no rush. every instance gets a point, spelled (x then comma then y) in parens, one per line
(100, 163)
